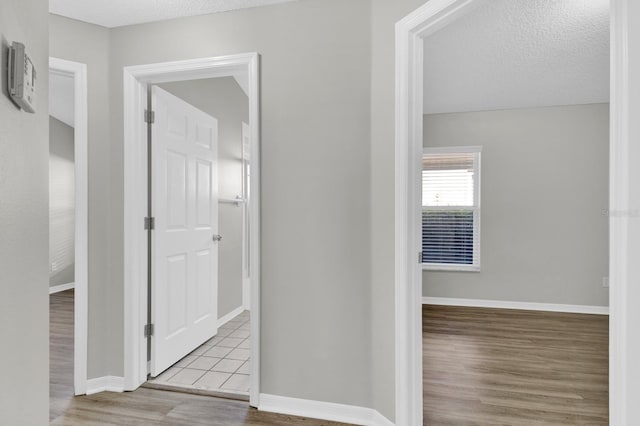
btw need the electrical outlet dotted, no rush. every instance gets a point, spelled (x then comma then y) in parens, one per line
(54, 266)
(605, 282)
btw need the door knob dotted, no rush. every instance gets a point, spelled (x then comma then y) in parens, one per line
(217, 237)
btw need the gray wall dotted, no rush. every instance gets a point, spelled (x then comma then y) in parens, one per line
(545, 191)
(61, 203)
(315, 182)
(223, 99)
(23, 249)
(315, 144)
(24, 226)
(89, 44)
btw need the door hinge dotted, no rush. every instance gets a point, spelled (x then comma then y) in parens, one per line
(149, 116)
(149, 223)
(419, 257)
(149, 330)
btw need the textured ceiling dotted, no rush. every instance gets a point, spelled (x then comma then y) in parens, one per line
(519, 53)
(116, 13)
(61, 94)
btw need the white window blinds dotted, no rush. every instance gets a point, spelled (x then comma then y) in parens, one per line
(450, 208)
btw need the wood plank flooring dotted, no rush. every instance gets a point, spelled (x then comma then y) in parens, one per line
(60, 352)
(144, 406)
(508, 367)
(481, 367)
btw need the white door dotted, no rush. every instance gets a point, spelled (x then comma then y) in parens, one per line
(184, 256)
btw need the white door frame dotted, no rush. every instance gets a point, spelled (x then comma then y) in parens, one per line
(78, 72)
(410, 33)
(136, 80)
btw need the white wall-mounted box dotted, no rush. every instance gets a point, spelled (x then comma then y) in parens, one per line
(21, 78)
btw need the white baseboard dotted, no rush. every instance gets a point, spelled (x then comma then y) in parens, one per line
(231, 315)
(61, 287)
(378, 419)
(322, 410)
(105, 384)
(527, 306)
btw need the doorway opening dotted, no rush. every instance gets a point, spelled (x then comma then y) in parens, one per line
(68, 215)
(411, 33)
(215, 358)
(192, 200)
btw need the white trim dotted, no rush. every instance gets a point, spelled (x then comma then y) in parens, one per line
(231, 315)
(378, 419)
(135, 239)
(78, 72)
(105, 384)
(619, 192)
(408, 155)
(408, 355)
(450, 267)
(61, 287)
(409, 34)
(526, 306)
(255, 226)
(135, 80)
(322, 410)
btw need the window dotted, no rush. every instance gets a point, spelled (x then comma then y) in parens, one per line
(451, 209)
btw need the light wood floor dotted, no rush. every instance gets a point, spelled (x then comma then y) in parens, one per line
(481, 367)
(60, 352)
(144, 407)
(507, 367)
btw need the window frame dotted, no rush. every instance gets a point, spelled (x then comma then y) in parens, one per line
(477, 157)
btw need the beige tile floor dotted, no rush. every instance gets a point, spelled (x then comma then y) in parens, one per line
(219, 365)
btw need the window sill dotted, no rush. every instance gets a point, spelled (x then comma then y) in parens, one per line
(450, 268)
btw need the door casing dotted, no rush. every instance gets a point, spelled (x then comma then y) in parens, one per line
(410, 32)
(78, 72)
(136, 79)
